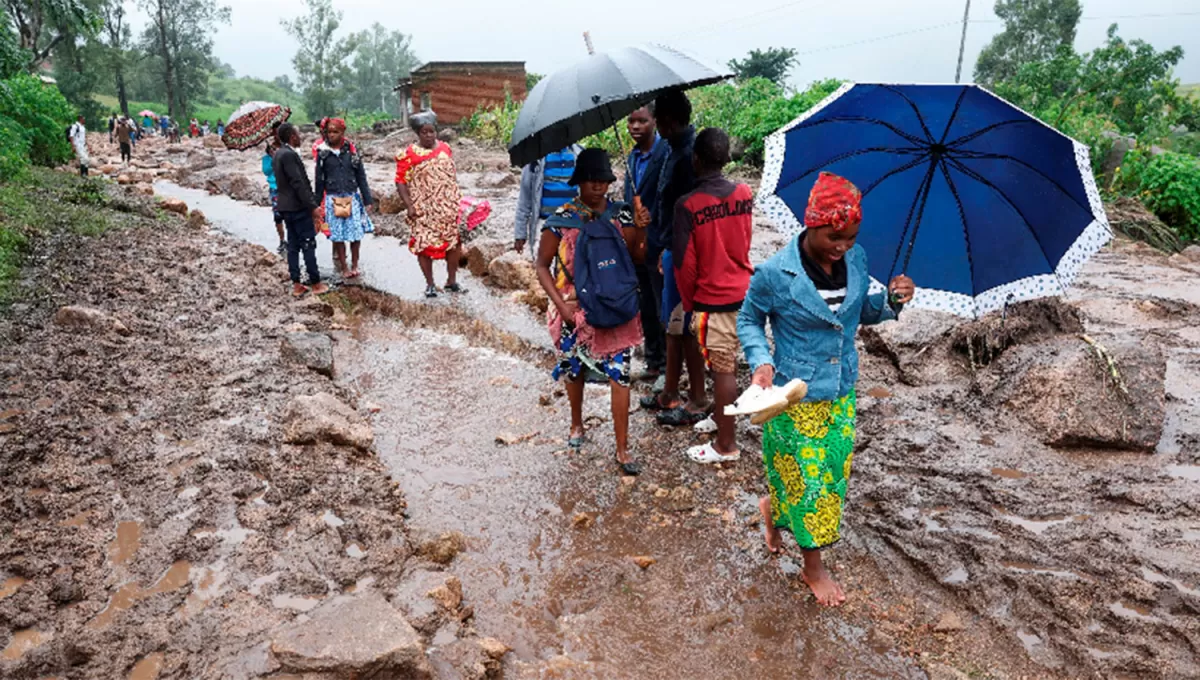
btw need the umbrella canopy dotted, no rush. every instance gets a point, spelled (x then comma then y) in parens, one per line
(148, 112)
(979, 202)
(593, 94)
(253, 123)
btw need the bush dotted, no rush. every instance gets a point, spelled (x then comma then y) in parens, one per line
(1169, 185)
(33, 119)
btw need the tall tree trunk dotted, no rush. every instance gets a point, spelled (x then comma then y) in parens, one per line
(168, 60)
(122, 96)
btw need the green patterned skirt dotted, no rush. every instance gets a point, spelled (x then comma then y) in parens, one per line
(807, 451)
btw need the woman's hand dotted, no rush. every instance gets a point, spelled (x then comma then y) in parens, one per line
(641, 215)
(764, 376)
(413, 213)
(901, 289)
(568, 310)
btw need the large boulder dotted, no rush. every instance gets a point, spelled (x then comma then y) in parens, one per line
(201, 161)
(512, 271)
(323, 418)
(213, 142)
(482, 252)
(352, 637)
(83, 319)
(1073, 393)
(313, 350)
(390, 203)
(174, 205)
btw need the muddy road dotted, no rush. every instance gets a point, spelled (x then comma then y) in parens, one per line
(1016, 511)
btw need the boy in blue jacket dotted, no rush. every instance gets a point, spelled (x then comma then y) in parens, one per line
(268, 169)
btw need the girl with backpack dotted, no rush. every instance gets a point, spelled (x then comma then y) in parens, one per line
(595, 327)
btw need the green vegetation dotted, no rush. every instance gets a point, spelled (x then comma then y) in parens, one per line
(224, 96)
(1169, 185)
(772, 64)
(33, 122)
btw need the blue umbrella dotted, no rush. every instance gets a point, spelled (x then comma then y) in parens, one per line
(979, 202)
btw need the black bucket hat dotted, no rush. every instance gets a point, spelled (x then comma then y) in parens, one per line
(592, 165)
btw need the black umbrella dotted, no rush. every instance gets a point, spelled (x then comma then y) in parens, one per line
(595, 93)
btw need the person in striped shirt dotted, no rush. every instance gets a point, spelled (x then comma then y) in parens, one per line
(545, 187)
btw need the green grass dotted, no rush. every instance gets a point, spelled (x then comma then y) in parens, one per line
(224, 97)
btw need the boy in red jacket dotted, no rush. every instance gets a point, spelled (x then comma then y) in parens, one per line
(713, 226)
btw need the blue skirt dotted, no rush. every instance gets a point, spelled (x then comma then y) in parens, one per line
(347, 229)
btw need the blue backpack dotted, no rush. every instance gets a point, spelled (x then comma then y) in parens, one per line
(605, 280)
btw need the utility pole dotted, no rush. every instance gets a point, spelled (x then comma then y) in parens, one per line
(587, 40)
(962, 46)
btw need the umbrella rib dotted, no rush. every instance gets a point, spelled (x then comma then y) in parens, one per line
(908, 222)
(916, 110)
(1028, 225)
(950, 123)
(873, 121)
(982, 131)
(904, 168)
(912, 243)
(1006, 157)
(841, 157)
(962, 215)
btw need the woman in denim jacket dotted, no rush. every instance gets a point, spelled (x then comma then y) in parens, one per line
(815, 294)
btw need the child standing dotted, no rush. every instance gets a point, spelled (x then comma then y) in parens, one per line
(815, 293)
(342, 180)
(268, 169)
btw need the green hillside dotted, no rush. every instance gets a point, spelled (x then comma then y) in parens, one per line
(1192, 90)
(224, 96)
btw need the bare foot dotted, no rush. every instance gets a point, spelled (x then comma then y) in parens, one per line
(774, 538)
(299, 290)
(826, 590)
(320, 289)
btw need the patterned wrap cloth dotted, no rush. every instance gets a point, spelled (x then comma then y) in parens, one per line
(608, 351)
(807, 452)
(834, 202)
(433, 184)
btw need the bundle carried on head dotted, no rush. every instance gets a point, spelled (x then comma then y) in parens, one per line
(420, 120)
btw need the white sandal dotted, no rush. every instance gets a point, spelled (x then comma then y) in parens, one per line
(706, 426)
(707, 455)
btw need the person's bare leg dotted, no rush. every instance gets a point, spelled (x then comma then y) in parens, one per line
(279, 231)
(694, 358)
(575, 396)
(339, 257)
(827, 591)
(774, 537)
(724, 393)
(669, 397)
(452, 258)
(620, 415)
(354, 248)
(426, 263)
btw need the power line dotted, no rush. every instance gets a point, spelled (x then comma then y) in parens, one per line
(737, 23)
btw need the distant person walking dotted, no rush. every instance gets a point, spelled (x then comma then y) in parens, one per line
(77, 134)
(112, 127)
(148, 124)
(427, 182)
(545, 187)
(298, 206)
(204, 129)
(642, 169)
(194, 129)
(268, 170)
(164, 124)
(341, 179)
(125, 139)
(220, 128)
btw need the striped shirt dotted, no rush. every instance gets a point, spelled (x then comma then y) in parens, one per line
(831, 286)
(556, 188)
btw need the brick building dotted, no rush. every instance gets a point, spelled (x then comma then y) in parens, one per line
(455, 89)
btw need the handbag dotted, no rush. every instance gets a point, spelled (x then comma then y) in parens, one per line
(343, 206)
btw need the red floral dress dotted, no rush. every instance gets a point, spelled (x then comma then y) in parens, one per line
(433, 184)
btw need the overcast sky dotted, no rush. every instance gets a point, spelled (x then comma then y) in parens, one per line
(836, 38)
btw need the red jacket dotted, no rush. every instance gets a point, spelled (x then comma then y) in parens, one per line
(713, 226)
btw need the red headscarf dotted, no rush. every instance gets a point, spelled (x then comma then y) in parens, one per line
(834, 202)
(333, 124)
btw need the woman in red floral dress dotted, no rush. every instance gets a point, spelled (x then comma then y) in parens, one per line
(428, 184)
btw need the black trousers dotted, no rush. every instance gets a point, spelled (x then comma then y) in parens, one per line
(302, 238)
(655, 343)
(126, 151)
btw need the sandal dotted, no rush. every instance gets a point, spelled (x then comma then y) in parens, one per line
(630, 469)
(680, 417)
(575, 444)
(652, 403)
(353, 274)
(431, 292)
(454, 288)
(707, 454)
(300, 292)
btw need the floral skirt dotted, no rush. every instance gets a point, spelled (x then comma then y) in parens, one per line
(574, 361)
(807, 452)
(352, 228)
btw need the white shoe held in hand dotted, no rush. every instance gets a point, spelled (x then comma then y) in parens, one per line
(764, 404)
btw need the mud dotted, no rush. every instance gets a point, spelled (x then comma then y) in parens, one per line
(971, 546)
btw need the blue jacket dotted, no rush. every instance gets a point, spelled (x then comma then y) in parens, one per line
(647, 188)
(811, 342)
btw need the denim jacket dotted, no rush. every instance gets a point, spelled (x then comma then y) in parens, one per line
(812, 343)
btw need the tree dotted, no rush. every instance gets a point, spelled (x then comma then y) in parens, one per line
(42, 25)
(1034, 30)
(381, 59)
(13, 59)
(180, 36)
(531, 80)
(321, 59)
(284, 83)
(117, 36)
(773, 63)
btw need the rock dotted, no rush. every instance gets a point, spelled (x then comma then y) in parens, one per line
(176, 149)
(512, 271)
(1122, 145)
(494, 648)
(536, 300)
(390, 204)
(124, 180)
(197, 220)
(144, 189)
(323, 418)
(949, 622)
(240, 188)
(737, 149)
(213, 142)
(939, 671)
(1191, 254)
(352, 637)
(482, 252)
(313, 350)
(681, 499)
(142, 177)
(1068, 396)
(643, 561)
(449, 595)
(582, 520)
(412, 598)
(498, 180)
(447, 134)
(444, 548)
(174, 205)
(108, 169)
(316, 306)
(89, 319)
(201, 161)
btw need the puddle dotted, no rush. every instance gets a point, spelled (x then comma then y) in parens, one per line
(23, 641)
(257, 584)
(1037, 526)
(208, 585)
(1188, 472)
(148, 668)
(1135, 610)
(129, 538)
(11, 585)
(331, 520)
(1008, 473)
(1028, 568)
(1029, 640)
(1191, 535)
(957, 577)
(355, 552)
(294, 602)
(131, 593)
(189, 493)
(1100, 654)
(1155, 577)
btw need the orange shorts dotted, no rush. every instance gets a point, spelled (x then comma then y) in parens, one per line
(718, 338)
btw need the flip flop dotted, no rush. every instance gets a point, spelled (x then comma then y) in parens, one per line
(575, 444)
(454, 288)
(707, 455)
(679, 417)
(706, 426)
(630, 469)
(299, 294)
